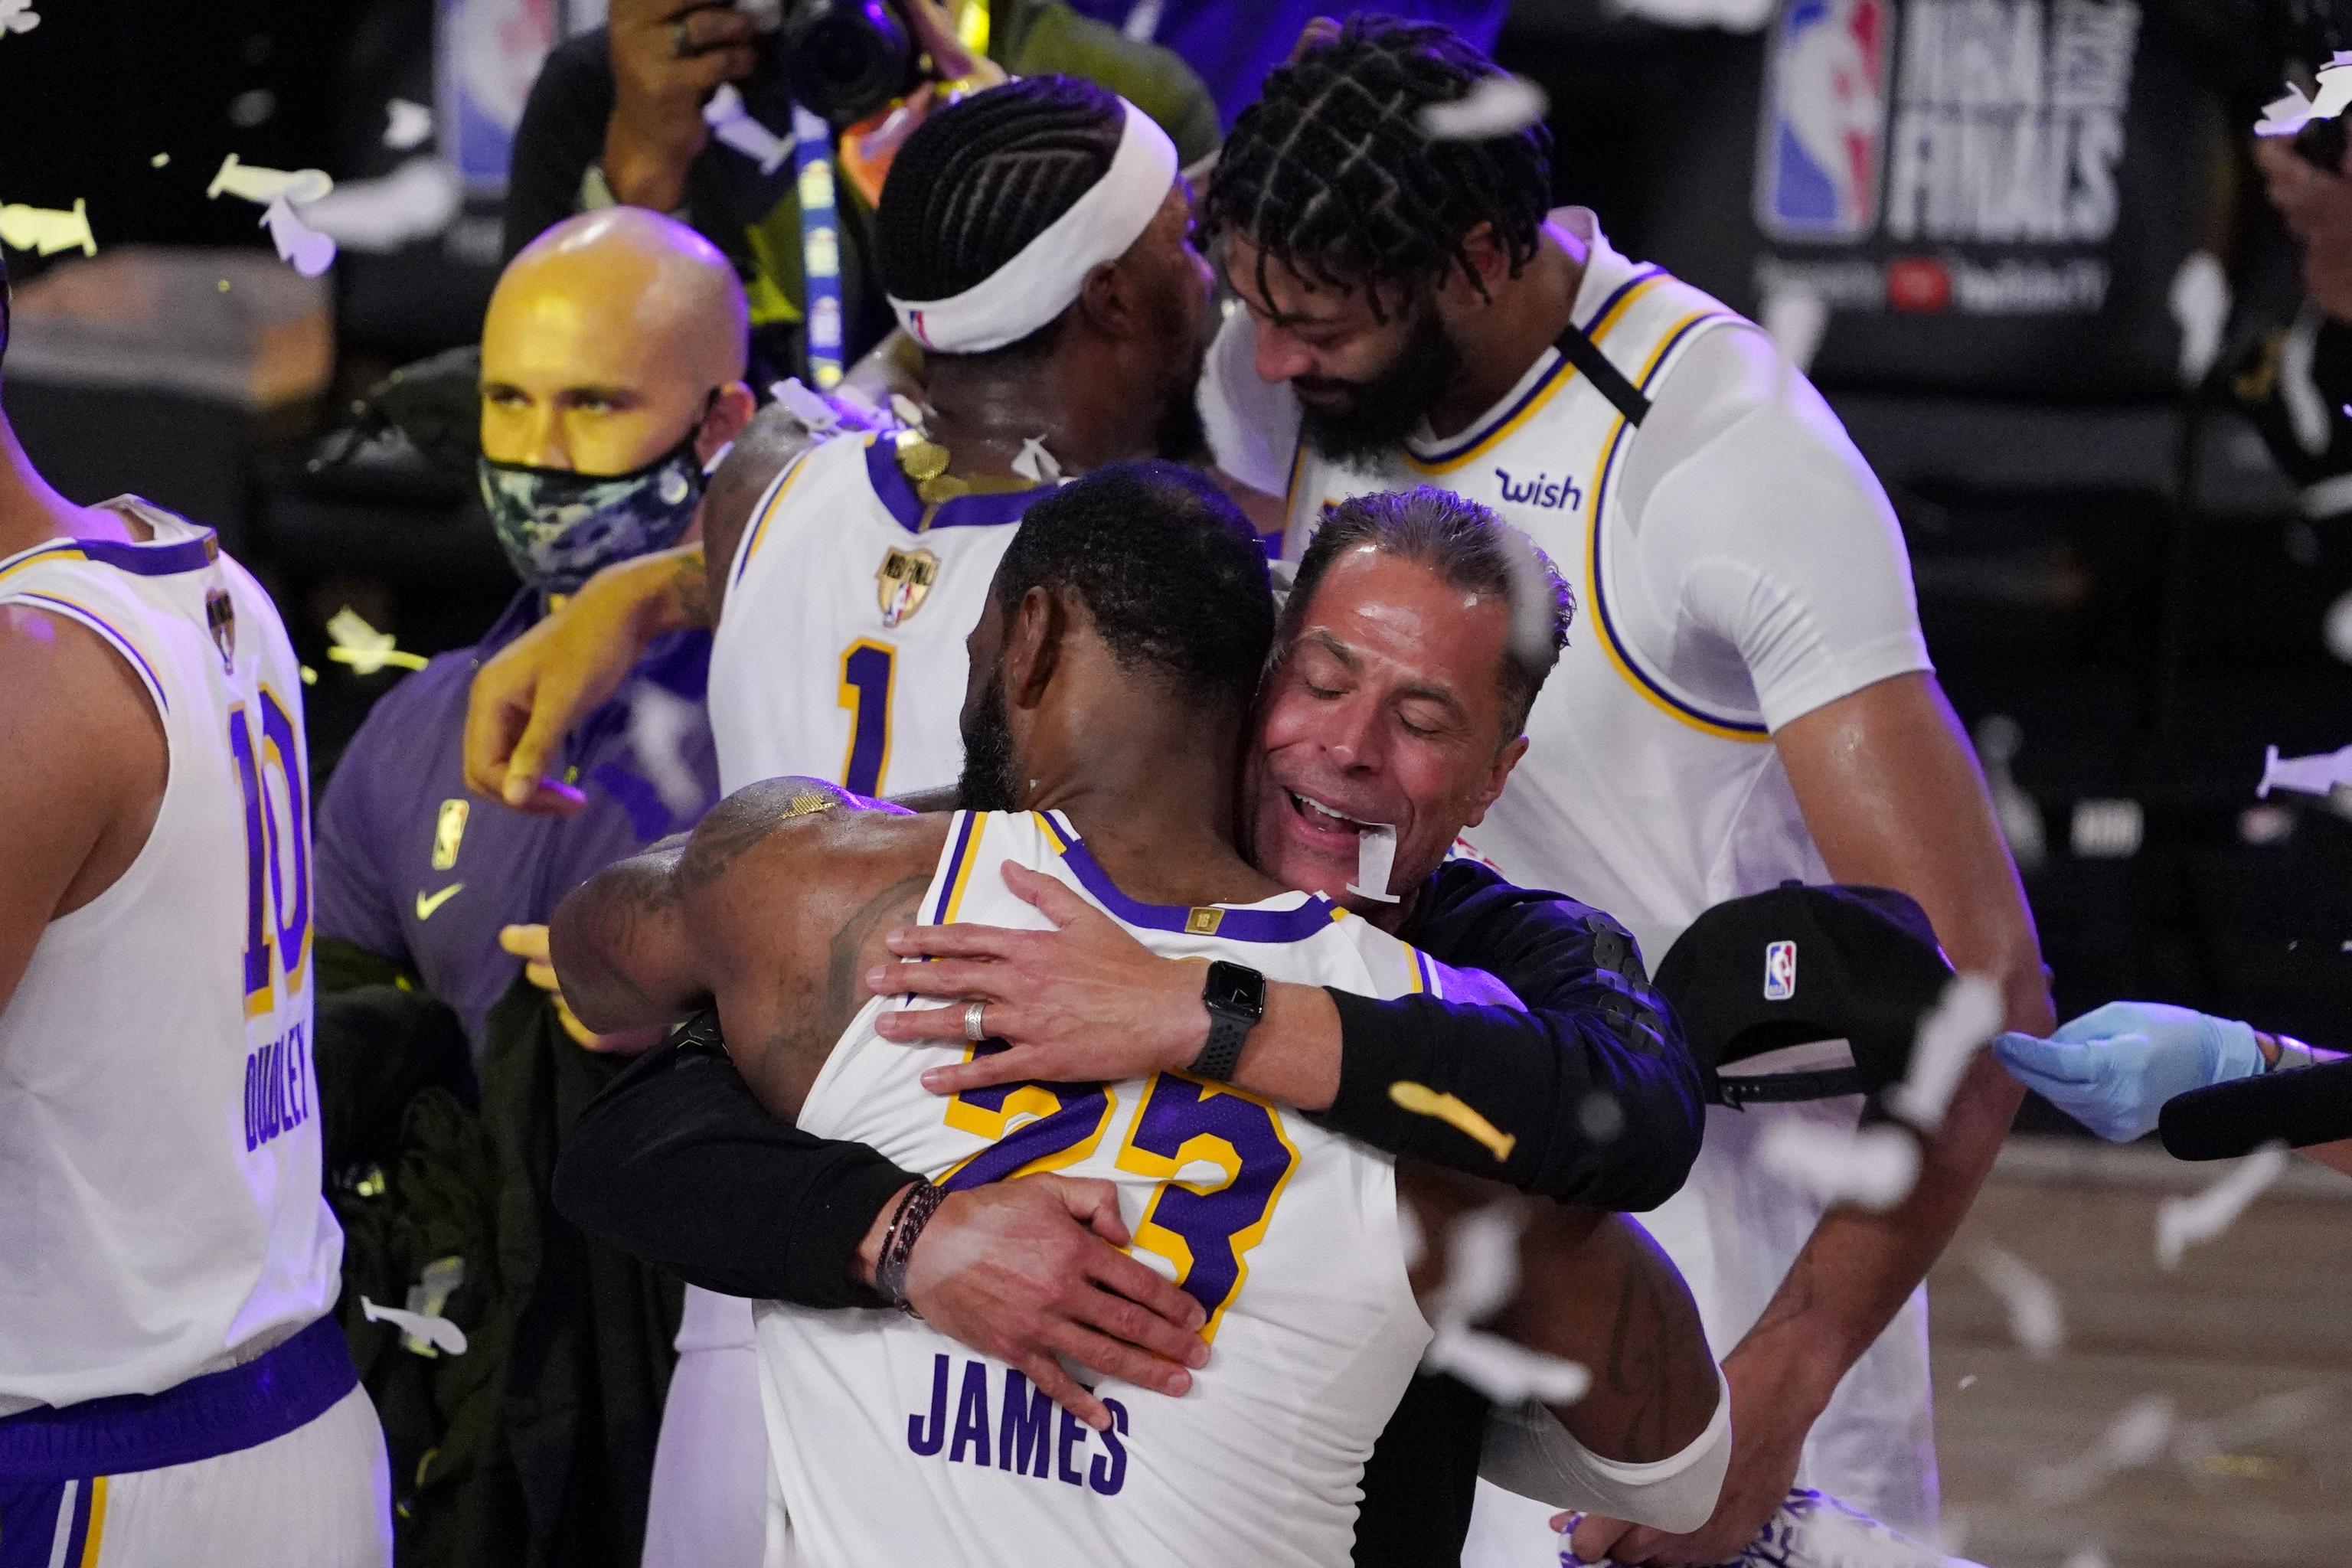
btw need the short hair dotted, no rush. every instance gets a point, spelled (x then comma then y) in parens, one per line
(1474, 550)
(1330, 174)
(1172, 572)
(984, 176)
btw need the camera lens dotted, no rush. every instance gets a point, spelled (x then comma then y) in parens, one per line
(846, 58)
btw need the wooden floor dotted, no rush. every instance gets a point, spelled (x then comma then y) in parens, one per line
(2253, 1331)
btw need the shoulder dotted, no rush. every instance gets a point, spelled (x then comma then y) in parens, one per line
(1467, 906)
(821, 832)
(81, 719)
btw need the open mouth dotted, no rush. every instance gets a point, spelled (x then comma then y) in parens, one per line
(1322, 822)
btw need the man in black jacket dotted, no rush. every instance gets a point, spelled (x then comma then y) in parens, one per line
(1590, 1096)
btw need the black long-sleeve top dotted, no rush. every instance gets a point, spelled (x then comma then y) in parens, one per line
(1594, 1083)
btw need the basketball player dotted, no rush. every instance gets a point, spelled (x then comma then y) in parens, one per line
(1112, 672)
(172, 1387)
(1754, 702)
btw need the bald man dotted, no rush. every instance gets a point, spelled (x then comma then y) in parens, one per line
(612, 361)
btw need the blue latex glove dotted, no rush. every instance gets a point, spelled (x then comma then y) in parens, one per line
(2113, 1068)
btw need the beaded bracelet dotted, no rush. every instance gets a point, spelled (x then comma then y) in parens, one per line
(915, 1211)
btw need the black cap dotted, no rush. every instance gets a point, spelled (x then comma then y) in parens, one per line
(1801, 964)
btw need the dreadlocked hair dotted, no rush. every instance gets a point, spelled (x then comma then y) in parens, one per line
(1330, 174)
(982, 178)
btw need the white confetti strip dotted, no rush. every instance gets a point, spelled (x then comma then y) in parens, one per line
(261, 186)
(1500, 105)
(2037, 1320)
(1036, 464)
(2200, 307)
(17, 16)
(439, 1332)
(1375, 856)
(2183, 1223)
(48, 229)
(1506, 1374)
(815, 415)
(734, 127)
(2134, 1438)
(1967, 1015)
(352, 641)
(2322, 774)
(406, 124)
(415, 201)
(1874, 1167)
(304, 248)
(660, 720)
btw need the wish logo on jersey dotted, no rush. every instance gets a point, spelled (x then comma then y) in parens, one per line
(1824, 130)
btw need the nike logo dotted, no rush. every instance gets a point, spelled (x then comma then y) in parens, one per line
(427, 903)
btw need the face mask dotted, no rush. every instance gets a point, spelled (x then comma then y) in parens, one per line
(557, 526)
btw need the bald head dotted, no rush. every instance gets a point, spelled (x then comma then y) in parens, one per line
(606, 339)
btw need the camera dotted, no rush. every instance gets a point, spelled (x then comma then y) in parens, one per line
(847, 59)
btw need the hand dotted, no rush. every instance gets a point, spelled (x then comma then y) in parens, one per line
(2316, 207)
(934, 33)
(529, 942)
(1030, 1268)
(1084, 1003)
(532, 693)
(668, 57)
(1769, 1419)
(2113, 1068)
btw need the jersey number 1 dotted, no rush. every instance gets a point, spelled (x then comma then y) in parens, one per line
(867, 669)
(276, 870)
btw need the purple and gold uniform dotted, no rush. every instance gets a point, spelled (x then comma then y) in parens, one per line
(894, 1443)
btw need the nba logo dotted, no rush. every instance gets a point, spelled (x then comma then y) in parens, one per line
(1824, 130)
(1780, 970)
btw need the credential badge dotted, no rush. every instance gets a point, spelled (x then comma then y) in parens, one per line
(905, 579)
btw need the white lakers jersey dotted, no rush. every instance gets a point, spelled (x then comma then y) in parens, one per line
(1651, 788)
(159, 1136)
(840, 654)
(892, 1443)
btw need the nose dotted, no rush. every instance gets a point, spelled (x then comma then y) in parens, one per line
(545, 446)
(1353, 734)
(1280, 355)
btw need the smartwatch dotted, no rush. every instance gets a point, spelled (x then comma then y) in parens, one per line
(1235, 998)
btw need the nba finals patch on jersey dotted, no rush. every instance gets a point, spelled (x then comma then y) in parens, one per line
(904, 579)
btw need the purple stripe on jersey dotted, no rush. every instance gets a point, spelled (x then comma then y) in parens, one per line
(1240, 924)
(284, 1389)
(155, 560)
(896, 494)
(28, 1521)
(1601, 600)
(964, 831)
(84, 613)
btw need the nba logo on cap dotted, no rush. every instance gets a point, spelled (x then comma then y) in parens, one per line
(1824, 130)
(1780, 970)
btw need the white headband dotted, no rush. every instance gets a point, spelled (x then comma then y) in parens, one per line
(1044, 279)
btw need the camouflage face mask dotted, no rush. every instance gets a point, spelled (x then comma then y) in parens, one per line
(559, 527)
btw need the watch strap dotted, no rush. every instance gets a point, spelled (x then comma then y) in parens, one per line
(1227, 1035)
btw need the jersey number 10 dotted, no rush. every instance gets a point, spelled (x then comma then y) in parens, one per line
(277, 868)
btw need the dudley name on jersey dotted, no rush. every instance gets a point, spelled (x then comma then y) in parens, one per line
(894, 1443)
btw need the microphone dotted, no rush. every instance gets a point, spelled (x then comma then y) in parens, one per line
(2299, 1108)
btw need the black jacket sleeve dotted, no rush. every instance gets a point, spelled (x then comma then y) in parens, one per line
(562, 133)
(677, 1163)
(1595, 1084)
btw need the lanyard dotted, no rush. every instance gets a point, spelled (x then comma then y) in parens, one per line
(820, 246)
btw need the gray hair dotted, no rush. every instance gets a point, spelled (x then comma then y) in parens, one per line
(1471, 548)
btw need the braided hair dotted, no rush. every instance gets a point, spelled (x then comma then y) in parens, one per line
(1330, 174)
(982, 178)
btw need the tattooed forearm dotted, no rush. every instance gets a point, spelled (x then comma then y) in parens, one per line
(617, 943)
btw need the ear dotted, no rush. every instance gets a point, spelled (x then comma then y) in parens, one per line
(729, 412)
(1490, 264)
(1109, 303)
(1497, 777)
(1033, 646)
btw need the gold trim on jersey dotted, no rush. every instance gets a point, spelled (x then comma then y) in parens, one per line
(784, 483)
(1562, 374)
(962, 873)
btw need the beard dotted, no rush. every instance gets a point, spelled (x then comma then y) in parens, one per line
(1392, 405)
(1182, 437)
(987, 782)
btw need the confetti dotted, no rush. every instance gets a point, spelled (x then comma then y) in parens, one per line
(1455, 1112)
(1535, 600)
(1506, 1374)
(2088, 1557)
(1482, 1270)
(1967, 1014)
(1500, 105)
(48, 229)
(310, 676)
(1874, 1167)
(2321, 775)
(2286, 116)
(261, 186)
(415, 201)
(361, 645)
(659, 724)
(406, 124)
(2199, 1444)
(818, 416)
(307, 250)
(159, 159)
(2037, 1320)
(735, 128)
(2134, 1438)
(17, 16)
(1036, 464)
(2183, 1223)
(1968, 1382)
(1795, 318)
(439, 1332)
(2200, 308)
(1375, 854)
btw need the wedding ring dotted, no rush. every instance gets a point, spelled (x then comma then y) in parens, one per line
(973, 1029)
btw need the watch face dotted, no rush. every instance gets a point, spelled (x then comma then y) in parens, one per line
(1233, 988)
